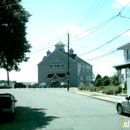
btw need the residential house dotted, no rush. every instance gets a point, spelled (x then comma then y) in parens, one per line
(126, 64)
(54, 67)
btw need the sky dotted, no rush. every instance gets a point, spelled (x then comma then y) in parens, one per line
(93, 25)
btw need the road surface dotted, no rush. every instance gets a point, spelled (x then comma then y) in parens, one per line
(58, 109)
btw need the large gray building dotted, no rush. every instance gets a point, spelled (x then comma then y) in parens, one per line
(54, 67)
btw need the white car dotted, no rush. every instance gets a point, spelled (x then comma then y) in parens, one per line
(123, 106)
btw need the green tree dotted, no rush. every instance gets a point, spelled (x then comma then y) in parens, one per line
(13, 42)
(105, 81)
(98, 80)
(114, 80)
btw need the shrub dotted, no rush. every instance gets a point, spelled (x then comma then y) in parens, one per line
(82, 86)
(125, 87)
(97, 89)
(113, 90)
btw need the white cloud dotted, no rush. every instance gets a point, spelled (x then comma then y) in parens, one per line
(127, 34)
(72, 29)
(119, 3)
(123, 2)
(115, 5)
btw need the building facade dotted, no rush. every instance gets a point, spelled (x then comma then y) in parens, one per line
(126, 65)
(54, 67)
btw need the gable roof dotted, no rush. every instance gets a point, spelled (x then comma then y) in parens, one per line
(58, 75)
(126, 46)
(74, 57)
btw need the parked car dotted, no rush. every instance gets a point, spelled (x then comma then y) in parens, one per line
(43, 85)
(33, 85)
(4, 85)
(55, 84)
(8, 104)
(63, 84)
(19, 85)
(123, 106)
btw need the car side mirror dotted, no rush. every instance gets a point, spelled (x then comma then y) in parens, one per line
(127, 98)
(15, 100)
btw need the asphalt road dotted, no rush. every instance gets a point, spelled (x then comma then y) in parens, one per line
(58, 109)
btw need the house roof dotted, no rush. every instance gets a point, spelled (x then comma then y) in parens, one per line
(58, 75)
(60, 43)
(76, 58)
(126, 46)
(122, 66)
(73, 56)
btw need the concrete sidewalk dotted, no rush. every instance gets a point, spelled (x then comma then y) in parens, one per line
(110, 98)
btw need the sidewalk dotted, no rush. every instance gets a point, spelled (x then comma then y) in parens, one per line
(101, 96)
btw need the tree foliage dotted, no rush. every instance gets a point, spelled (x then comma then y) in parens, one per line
(13, 42)
(98, 80)
(114, 80)
(105, 81)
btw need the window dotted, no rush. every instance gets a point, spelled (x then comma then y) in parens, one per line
(56, 53)
(128, 54)
(51, 68)
(57, 67)
(56, 59)
(62, 67)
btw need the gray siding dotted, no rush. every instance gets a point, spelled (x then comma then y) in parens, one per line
(78, 72)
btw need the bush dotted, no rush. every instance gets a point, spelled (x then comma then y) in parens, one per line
(125, 87)
(113, 90)
(82, 86)
(97, 89)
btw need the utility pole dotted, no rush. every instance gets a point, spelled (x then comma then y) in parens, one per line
(68, 73)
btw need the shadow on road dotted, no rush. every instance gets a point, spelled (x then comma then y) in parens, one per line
(26, 118)
(125, 114)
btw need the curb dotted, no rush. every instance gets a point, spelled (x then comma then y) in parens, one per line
(99, 96)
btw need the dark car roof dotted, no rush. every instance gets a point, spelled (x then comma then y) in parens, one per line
(6, 93)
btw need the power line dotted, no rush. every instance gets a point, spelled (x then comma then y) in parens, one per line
(104, 22)
(102, 55)
(119, 14)
(124, 7)
(95, 29)
(106, 43)
(124, 16)
(89, 10)
(96, 11)
(14, 4)
(41, 50)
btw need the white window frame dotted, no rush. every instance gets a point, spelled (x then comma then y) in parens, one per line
(56, 67)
